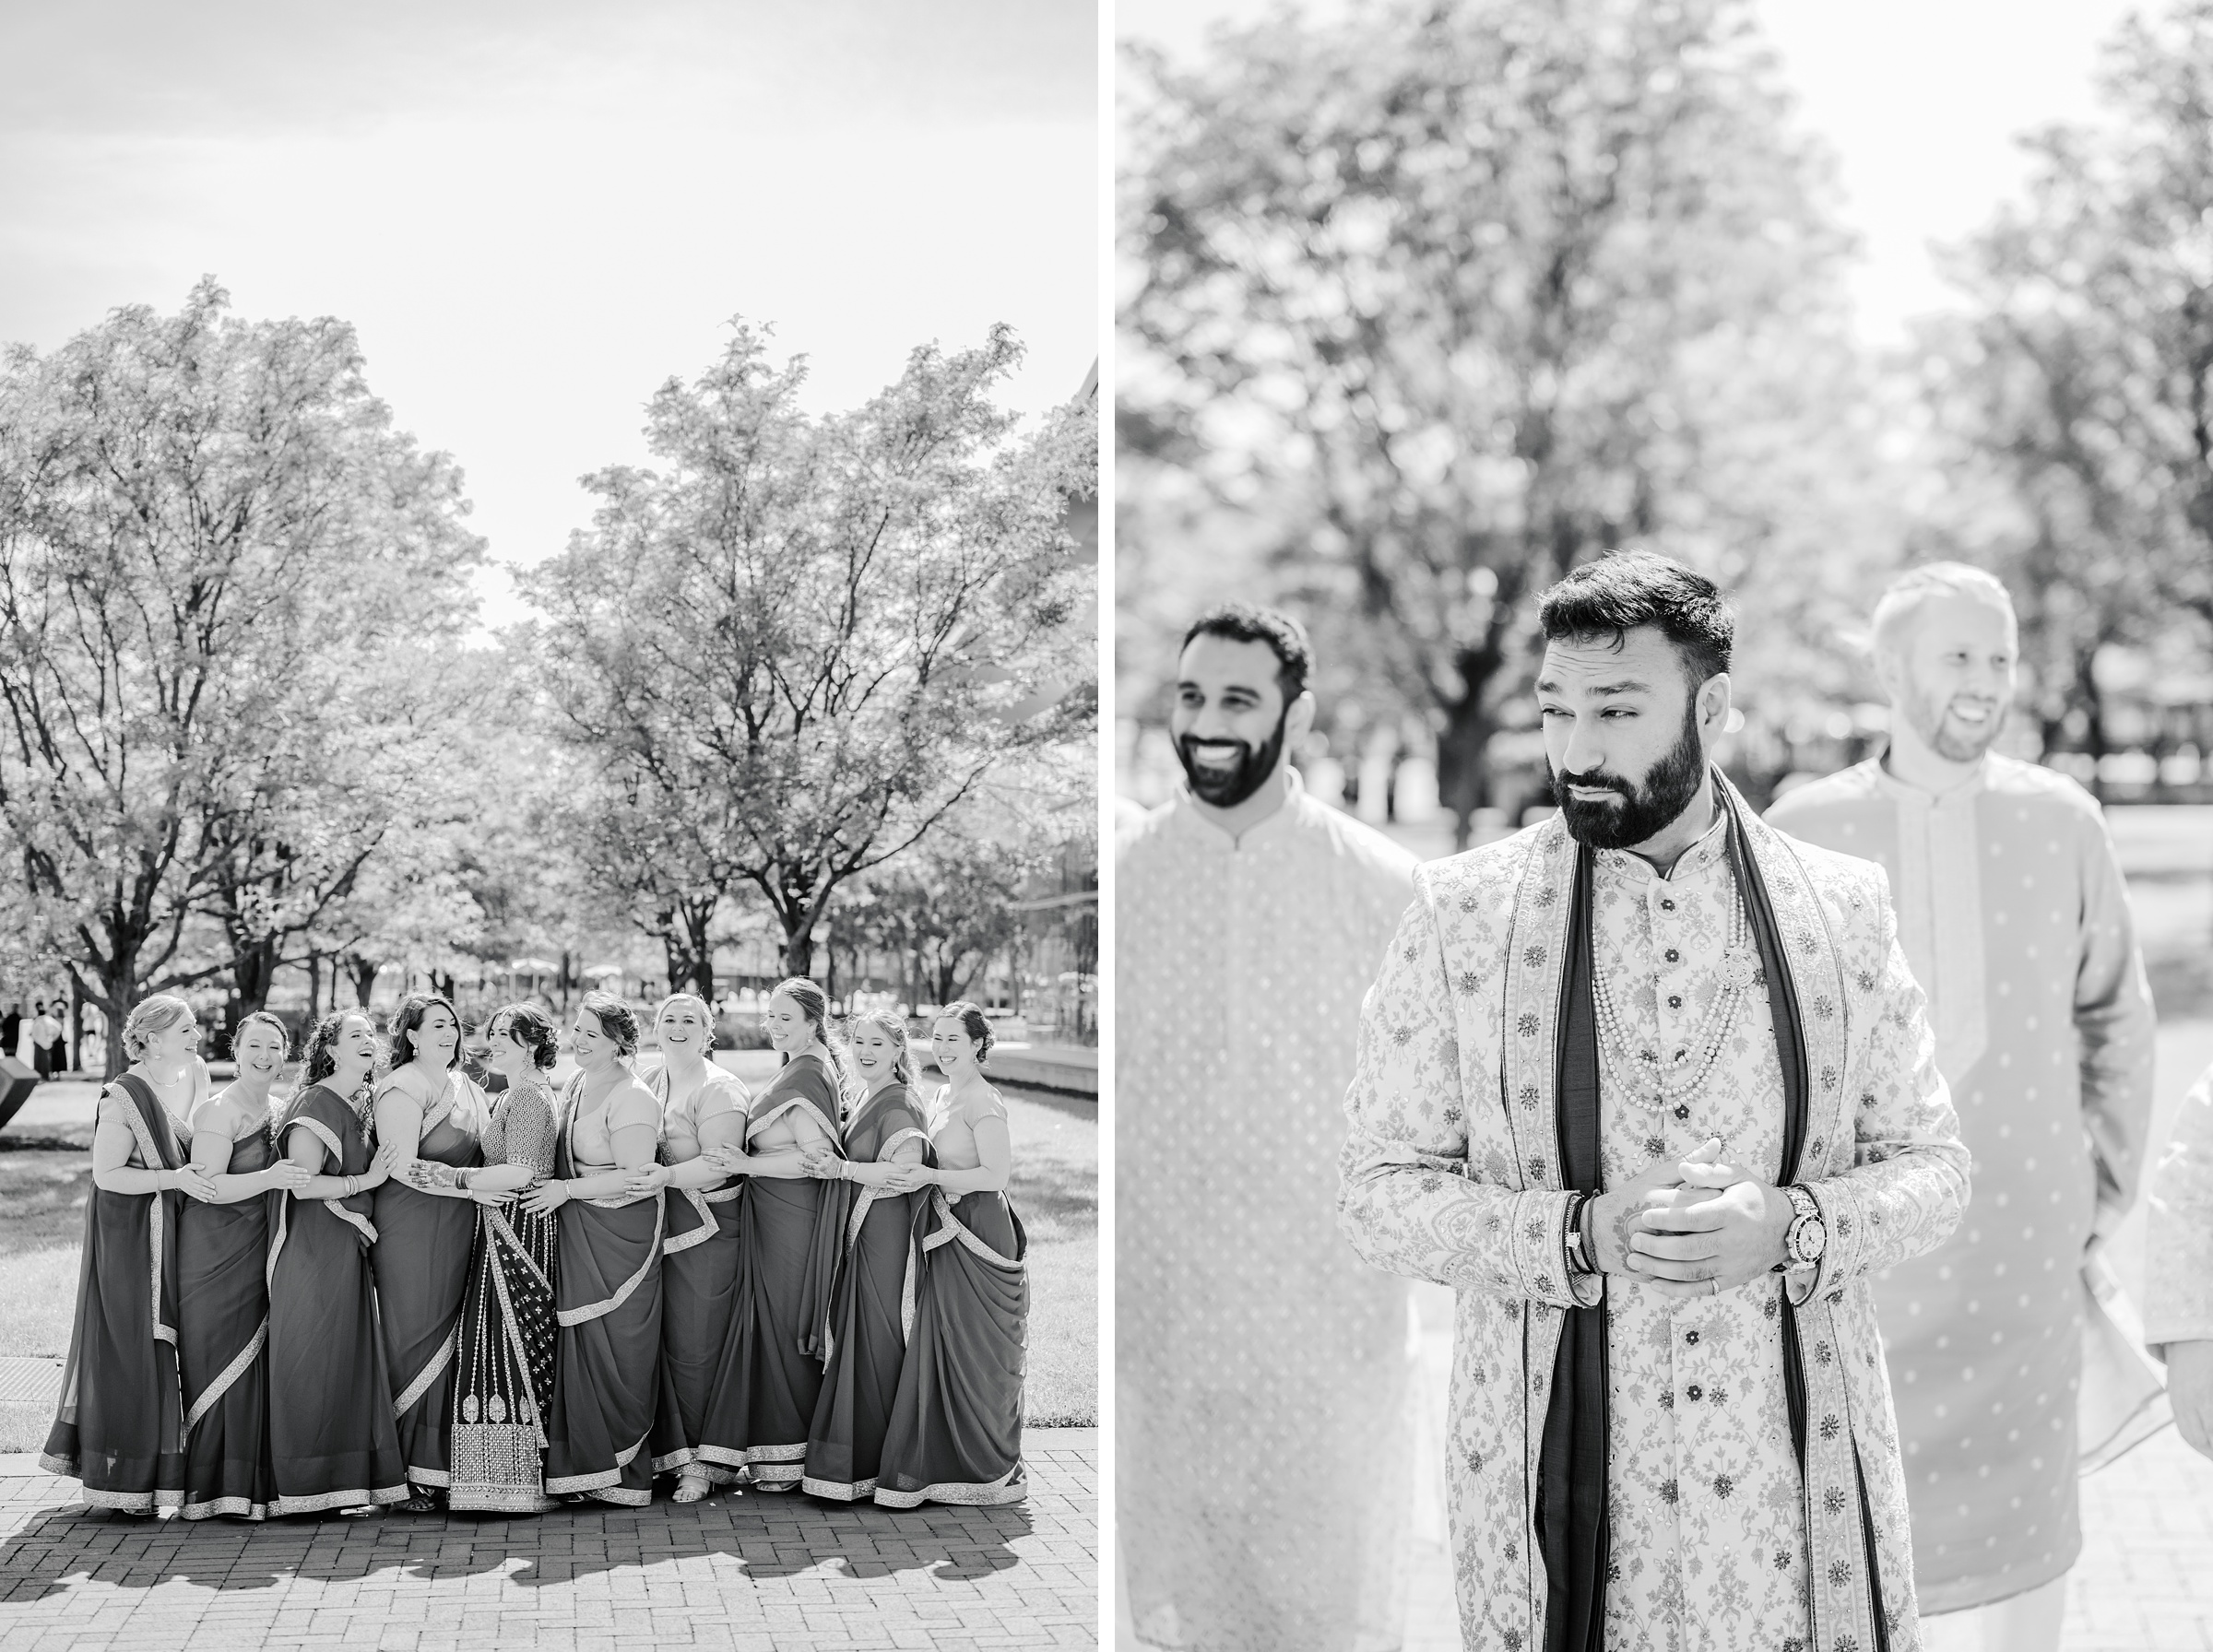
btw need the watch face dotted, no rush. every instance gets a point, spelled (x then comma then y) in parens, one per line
(1816, 1239)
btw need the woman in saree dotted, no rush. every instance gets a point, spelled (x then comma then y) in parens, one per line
(609, 1295)
(120, 1429)
(703, 1107)
(331, 1434)
(956, 1434)
(770, 1372)
(504, 1369)
(222, 1281)
(427, 1112)
(872, 1304)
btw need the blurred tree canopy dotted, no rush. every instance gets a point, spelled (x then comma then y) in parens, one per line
(2069, 398)
(1449, 297)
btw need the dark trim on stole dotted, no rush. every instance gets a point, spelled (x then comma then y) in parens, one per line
(1572, 1474)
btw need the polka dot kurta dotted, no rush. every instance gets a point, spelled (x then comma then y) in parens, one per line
(2016, 921)
(1263, 1376)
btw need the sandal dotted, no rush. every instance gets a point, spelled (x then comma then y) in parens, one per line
(693, 1488)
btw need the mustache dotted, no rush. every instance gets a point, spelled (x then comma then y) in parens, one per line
(1612, 783)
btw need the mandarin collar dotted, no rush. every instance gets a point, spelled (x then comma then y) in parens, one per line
(1891, 787)
(1189, 822)
(1710, 850)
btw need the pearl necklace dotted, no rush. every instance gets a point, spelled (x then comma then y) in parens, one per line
(1639, 1073)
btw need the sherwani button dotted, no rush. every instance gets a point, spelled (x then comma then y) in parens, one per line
(1681, 1110)
(1695, 1392)
(1691, 1338)
(1672, 956)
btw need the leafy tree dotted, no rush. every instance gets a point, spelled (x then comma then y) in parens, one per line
(786, 654)
(2069, 401)
(206, 524)
(1446, 298)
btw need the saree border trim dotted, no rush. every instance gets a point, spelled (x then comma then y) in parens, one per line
(623, 1292)
(134, 1503)
(409, 1397)
(514, 1325)
(950, 1228)
(839, 1491)
(240, 1363)
(1011, 1487)
(242, 1508)
(600, 1481)
(323, 1502)
(144, 1139)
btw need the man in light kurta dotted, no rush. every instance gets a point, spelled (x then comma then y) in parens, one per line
(1263, 1376)
(1650, 1086)
(2014, 917)
(2177, 1266)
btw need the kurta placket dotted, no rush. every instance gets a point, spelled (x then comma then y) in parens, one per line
(1709, 1530)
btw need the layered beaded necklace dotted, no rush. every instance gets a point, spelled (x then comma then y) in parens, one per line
(1640, 1074)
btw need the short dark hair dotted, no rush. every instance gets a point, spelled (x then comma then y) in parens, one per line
(1246, 622)
(412, 1009)
(1628, 588)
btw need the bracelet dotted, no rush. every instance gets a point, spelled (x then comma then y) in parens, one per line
(353, 1185)
(461, 1178)
(1578, 1262)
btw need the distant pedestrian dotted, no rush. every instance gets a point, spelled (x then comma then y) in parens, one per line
(58, 1060)
(11, 1029)
(45, 1031)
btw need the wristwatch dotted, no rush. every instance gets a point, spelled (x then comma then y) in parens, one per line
(1808, 1237)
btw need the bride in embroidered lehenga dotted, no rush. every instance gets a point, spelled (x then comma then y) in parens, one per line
(504, 1364)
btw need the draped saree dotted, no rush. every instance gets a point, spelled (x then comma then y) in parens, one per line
(770, 1376)
(609, 1308)
(699, 1277)
(872, 1308)
(956, 1429)
(331, 1434)
(222, 1277)
(420, 1260)
(120, 1426)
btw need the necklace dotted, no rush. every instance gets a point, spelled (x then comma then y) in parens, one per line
(1640, 1074)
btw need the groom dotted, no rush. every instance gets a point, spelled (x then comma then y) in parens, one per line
(1650, 1085)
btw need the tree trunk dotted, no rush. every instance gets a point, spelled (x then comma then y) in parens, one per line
(2092, 701)
(315, 987)
(253, 970)
(363, 972)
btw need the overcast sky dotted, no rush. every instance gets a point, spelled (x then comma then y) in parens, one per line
(534, 212)
(1919, 99)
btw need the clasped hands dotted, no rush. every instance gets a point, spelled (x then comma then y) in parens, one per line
(1689, 1228)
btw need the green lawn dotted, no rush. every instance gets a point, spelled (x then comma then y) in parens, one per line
(46, 1176)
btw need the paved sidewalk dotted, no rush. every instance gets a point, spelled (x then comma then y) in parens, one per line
(739, 1571)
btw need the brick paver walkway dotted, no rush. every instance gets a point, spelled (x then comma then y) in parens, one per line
(741, 1571)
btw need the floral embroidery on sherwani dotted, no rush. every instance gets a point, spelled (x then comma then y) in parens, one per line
(1718, 1543)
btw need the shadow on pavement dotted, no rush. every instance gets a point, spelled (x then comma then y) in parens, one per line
(67, 1545)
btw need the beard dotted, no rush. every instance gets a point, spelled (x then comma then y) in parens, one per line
(1253, 766)
(1645, 809)
(1955, 742)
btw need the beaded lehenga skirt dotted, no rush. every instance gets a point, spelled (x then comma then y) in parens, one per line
(504, 1364)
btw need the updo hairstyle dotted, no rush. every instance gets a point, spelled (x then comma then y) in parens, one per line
(321, 1063)
(894, 1027)
(151, 1016)
(616, 1018)
(973, 1022)
(530, 1027)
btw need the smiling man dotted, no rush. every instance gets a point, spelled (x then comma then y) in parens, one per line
(1262, 1375)
(1650, 1086)
(2014, 916)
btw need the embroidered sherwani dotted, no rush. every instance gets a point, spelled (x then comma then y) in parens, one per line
(1719, 1541)
(1263, 1375)
(2015, 919)
(2178, 1240)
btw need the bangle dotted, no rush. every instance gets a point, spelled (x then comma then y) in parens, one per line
(461, 1178)
(1578, 1261)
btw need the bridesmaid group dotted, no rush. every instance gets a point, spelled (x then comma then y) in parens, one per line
(396, 1288)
